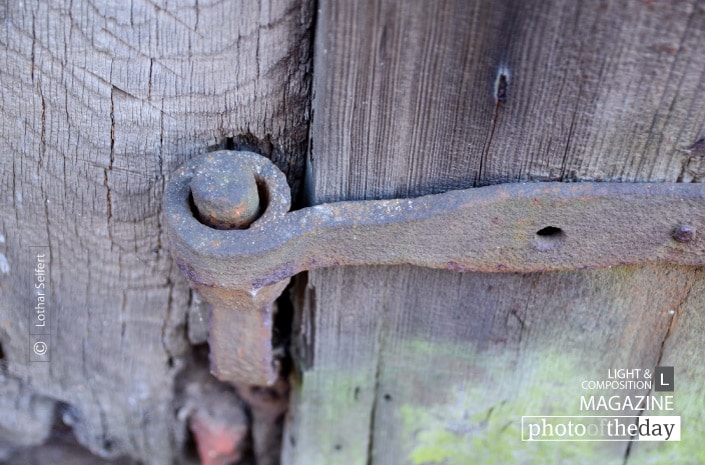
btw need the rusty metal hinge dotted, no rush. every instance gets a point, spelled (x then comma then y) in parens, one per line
(523, 227)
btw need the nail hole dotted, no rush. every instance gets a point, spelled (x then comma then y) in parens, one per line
(501, 85)
(107, 445)
(337, 447)
(501, 90)
(549, 238)
(387, 397)
(549, 231)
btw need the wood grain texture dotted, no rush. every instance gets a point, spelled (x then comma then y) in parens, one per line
(406, 102)
(683, 351)
(100, 102)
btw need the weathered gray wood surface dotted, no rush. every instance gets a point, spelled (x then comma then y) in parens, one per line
(684, 350)
(100, 101)
(402, 365)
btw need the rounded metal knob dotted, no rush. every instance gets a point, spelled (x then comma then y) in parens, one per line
(225, 193)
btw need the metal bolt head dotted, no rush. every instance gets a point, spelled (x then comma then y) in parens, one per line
(683, 234)
(225, 194)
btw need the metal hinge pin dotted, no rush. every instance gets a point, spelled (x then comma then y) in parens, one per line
(225, 195)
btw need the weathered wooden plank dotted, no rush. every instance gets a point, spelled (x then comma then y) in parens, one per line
(100, 102)
(419, 97)
(683, 350)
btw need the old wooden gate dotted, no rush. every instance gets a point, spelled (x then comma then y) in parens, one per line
(101, 101)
